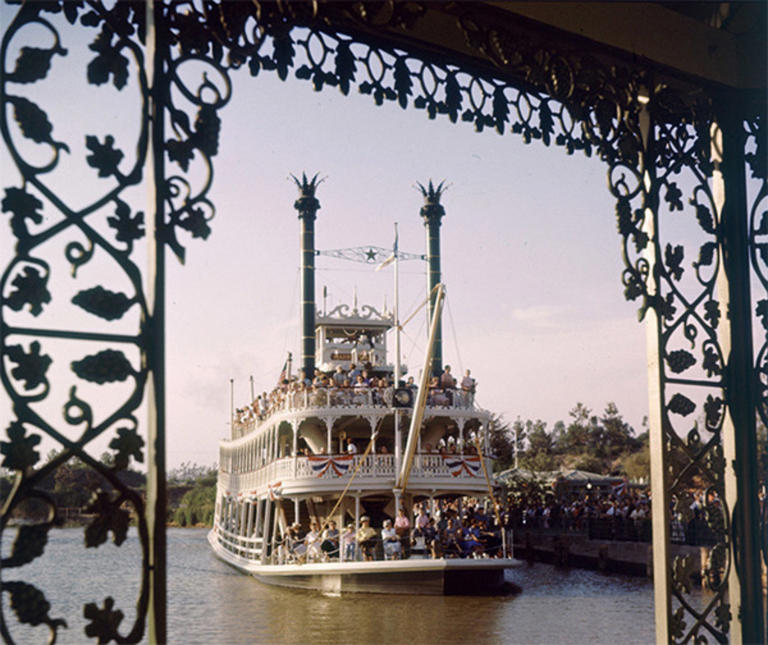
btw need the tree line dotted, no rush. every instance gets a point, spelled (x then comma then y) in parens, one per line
(604, 444)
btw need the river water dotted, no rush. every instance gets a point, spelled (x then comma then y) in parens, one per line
(210, 602)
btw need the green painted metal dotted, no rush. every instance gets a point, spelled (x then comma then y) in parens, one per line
(307, 205)
(432, 213)
(739, 432)
(157, 48)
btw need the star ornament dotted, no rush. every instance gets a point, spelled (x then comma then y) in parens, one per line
(370, 255)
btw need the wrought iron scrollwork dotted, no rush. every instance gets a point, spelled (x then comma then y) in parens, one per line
(654, 139)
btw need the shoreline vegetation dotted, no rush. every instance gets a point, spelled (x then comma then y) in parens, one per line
(602, 444)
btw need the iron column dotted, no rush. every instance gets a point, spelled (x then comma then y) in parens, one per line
(432, 212)
(307, 206)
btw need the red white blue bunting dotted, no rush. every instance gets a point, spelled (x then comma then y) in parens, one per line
(459, 465)
(338, 465)
(275, 491)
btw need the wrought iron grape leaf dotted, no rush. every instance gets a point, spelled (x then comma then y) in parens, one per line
(673, 257)
(23, 206)
(29, 544)
(683, 569)
(109, 517)
(723, 617)
(104, 156)
(106, 366)
(680, 360)
(452, 97)
(102, 302)
(128, 444)
(677, 623)
(109, 62)
(345, 67)
(33, 122)
(666, 306)
(711, 362)
(30, 288)
(712, 312)
(204, 138)
(19, 452)
(283, 53)
(30, 605)
(104, 623)
(500, 109)
(673, 197)
(196, 223)
(704, 217)
(761, 311)
(681, 404)
(129, 227)
(712, 411)
(403, 82)
(33, 64)
(706, 254)
(30, 367)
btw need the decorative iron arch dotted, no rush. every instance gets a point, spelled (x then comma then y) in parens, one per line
(659, 134)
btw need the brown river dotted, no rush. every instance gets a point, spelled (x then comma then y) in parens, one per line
(210, 602)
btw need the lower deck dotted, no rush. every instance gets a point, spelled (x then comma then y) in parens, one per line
(411, 576)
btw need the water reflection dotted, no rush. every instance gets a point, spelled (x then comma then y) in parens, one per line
(212, 603)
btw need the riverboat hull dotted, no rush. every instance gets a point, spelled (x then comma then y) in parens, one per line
(415, 576)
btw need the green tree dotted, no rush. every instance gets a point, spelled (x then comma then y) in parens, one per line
(502, 441)
(577, 435)
(617, 434)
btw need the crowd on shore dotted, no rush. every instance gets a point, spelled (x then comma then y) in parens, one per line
(624, 513)
(353, 386)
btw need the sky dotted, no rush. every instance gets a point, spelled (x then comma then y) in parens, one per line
(530, 253)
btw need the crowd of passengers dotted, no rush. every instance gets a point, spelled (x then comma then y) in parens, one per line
(352, 386)
(465, 531)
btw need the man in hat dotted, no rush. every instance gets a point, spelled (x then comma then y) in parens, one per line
(366, 538)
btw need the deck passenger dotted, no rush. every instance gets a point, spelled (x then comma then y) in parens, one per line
(348, 542)
(403, 530)
(449, 542)
(366, 538)
(312, 542)
(392, 546)
(330, 543)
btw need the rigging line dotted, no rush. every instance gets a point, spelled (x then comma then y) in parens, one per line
(455, 341)
(424, 302)
(414, 341)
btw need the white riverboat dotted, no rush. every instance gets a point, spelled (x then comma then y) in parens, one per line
(316, 451)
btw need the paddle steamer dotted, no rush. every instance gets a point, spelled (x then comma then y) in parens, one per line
(314, 453)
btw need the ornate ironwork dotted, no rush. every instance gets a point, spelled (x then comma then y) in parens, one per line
(655, 138)
(368, 254)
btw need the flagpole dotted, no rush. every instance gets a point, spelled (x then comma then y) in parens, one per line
(396, 312)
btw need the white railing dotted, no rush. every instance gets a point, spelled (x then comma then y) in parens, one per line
(334, 397)
(324, 468)
(247, 547)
